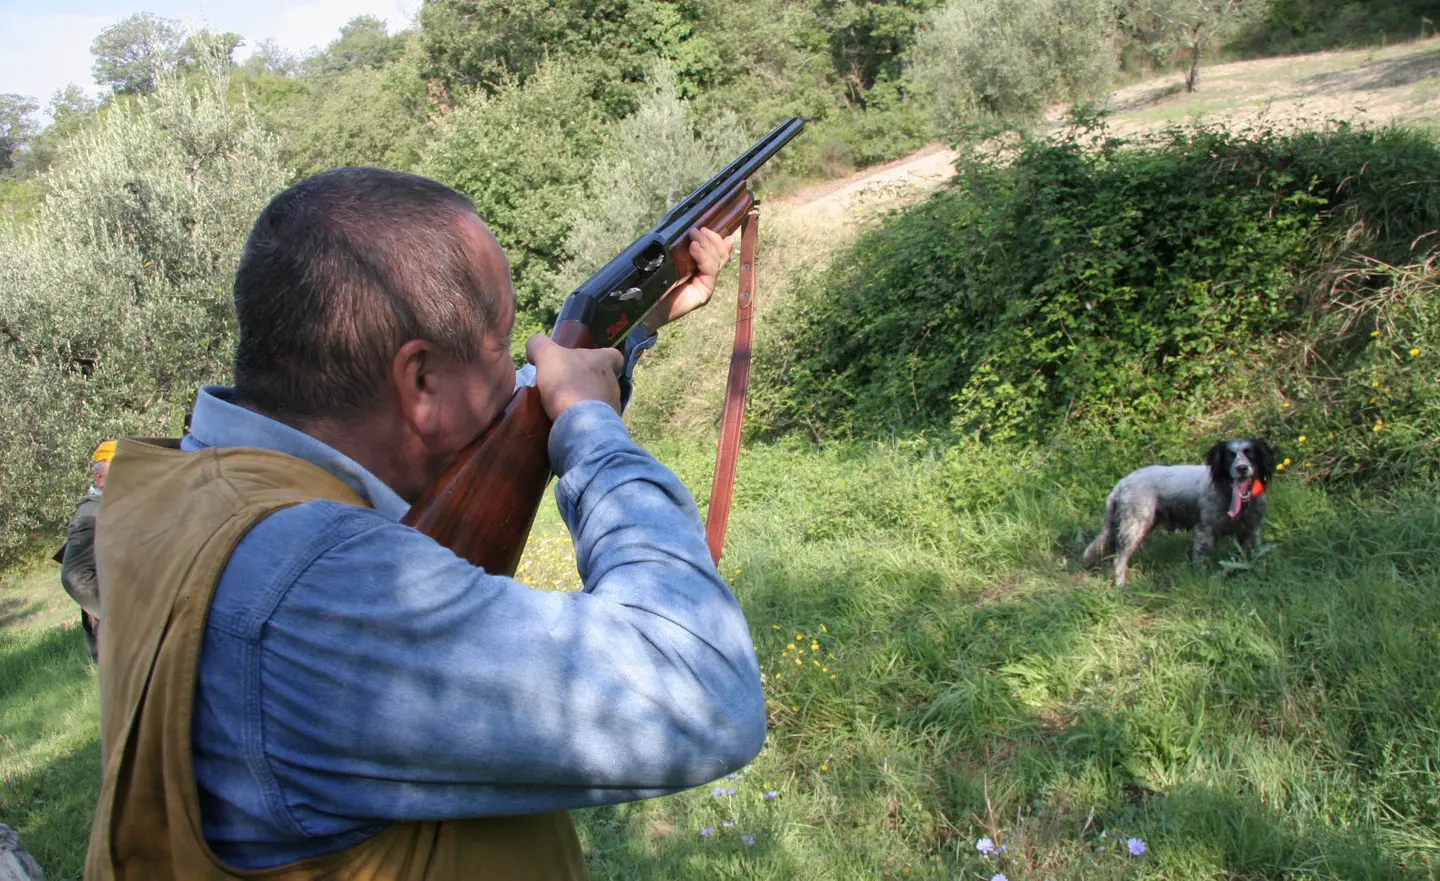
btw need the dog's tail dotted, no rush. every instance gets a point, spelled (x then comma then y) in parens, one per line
(1101, 545)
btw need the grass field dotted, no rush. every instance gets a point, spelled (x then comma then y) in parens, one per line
(938, 671)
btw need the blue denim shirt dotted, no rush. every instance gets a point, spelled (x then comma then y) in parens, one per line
(355, 672)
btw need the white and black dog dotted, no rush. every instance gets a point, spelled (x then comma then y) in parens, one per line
(1225, 496)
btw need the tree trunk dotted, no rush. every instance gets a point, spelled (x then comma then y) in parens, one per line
(1192, 79)
(16, 864)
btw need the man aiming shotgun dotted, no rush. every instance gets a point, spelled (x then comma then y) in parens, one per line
(307, 686)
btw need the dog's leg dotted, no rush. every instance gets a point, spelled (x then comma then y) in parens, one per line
(1252, 538)
(1132, 531)
(1097, 549)
(1201, 545)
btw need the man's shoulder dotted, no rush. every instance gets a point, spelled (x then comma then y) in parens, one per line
(87, 508)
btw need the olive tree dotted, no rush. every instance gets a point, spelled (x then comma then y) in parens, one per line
(115, 300)
(996, 61)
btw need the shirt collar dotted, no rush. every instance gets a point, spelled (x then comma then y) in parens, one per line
(218, 421)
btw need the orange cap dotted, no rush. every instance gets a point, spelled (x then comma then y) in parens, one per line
(104, 452)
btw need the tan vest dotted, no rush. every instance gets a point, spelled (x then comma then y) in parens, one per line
(168, 524)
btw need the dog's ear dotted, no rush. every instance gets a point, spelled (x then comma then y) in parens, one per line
(1215, 459)
(1264, 458)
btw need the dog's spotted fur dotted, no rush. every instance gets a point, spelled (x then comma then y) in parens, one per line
(1213, 500)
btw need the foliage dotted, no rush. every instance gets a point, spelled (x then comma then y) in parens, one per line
(488, 43)
(131, 54)
(989, 61)
(364, 43)
(1290, 26)
(869, 39)
(652, 159)
(17, 127)
(1166, 27)
(114, 303)
(1275, 723)
(523, 155)
(1124, 286)
(361, 116)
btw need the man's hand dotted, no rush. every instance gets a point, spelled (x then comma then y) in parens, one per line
(710, 252)
(567, 376)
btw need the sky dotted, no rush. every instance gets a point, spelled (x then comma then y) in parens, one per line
(45, 45)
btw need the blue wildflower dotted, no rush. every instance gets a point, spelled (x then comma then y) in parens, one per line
(1136, 846)
(748, 839)
(774, 793)
(707, 831)
(986, 846)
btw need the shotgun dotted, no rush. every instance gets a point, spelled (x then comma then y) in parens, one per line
(483, 505)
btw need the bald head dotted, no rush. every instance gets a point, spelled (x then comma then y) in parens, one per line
(345, 267)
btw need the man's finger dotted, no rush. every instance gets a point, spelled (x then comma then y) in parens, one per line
(537, 343)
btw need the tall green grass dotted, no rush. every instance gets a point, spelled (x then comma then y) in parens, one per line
(959, 677)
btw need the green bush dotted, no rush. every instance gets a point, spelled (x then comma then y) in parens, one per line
(115, 301)
(523, 155)
(1132, 287)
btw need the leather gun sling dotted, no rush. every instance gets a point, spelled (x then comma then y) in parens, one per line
(728, 450)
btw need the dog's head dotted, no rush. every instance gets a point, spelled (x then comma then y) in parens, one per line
(1240, 464)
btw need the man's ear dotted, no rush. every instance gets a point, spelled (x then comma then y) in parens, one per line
(416, 386)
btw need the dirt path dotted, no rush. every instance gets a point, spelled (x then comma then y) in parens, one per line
(1398, 83)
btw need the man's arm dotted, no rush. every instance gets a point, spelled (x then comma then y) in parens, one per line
(451, 693)
(77, 572)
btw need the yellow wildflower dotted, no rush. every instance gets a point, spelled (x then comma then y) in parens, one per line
(774, 626)
(832, 675)
(1287, 460)
(824, 669)
(1375, 384)
(814, 646)
(1414, 352)
(1303, 439)
(824, 629)
(1374, 333)
(790, 647)
(1280, 467)
(825, 767)
(798, 661)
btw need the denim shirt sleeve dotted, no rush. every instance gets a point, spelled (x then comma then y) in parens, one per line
(383, 678)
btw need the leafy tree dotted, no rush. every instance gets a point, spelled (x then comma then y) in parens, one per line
(1189, 26)
(208, 46)
(363, 116)
(524, 155)
(131, 54)
(115, 302)
(994, 61)
(652, 159)
(271, 58)
(363, 44)
(867, 39)
(485, 42)
(70, 110)
(17, 126)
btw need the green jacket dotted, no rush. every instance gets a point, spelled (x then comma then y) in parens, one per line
(77, 572)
